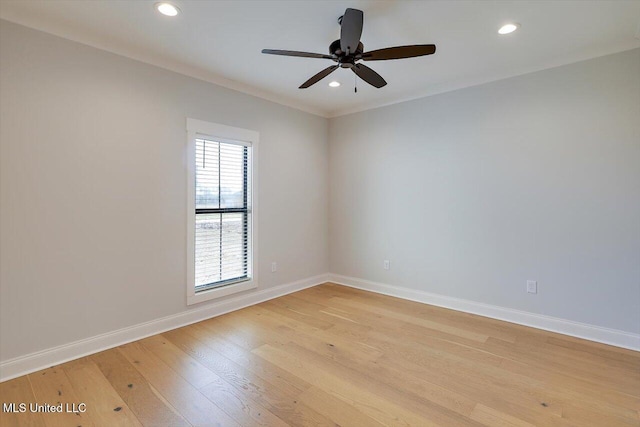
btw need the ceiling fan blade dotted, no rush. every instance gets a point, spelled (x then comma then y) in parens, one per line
(296, 53)
(368, 75)
(399, 52)
(321, 75)
(351, 30)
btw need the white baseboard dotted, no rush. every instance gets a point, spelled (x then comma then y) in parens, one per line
(567, 327)
(53, 356)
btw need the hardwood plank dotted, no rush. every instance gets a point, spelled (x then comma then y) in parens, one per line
(602, 374)
(336, 409)
(402, 354)
(533, 404)
(586, 415)
(194, 406)
(372, 401)
(240, 406)
(245, 360)
(585, 350)
(281, 400)
(53, 387)
(590, 348)
(491, 417)
(417, 320)
(184, 365)
(488, 384)
(417, 334)
(579, 392)
(104, 405)
(18, 391)
(141, 397)
(278, 328)
(348, 353)
(217, 390)
(225, 326)
(467, 321)
(332, 355)
(367, 322)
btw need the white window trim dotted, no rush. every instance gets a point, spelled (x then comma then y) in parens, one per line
(198, 129)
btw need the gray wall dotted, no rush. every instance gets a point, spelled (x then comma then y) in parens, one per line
(93, 189)
(469, 193)
(473, 192)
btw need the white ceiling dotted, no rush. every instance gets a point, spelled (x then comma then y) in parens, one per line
(220, 41)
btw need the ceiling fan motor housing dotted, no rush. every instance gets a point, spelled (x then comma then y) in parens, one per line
(344, 60)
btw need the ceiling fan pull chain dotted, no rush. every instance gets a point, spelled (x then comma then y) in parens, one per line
(355, 83)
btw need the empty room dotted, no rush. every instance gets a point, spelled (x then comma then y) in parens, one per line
(319, 213)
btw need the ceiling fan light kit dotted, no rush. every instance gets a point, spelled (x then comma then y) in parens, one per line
(508, 28)
(348, 50)
(167, 9)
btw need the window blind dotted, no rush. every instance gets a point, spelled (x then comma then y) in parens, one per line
(223, 214)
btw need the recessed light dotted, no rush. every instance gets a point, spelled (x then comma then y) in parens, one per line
(508, 28)
(334, 84)
(167, 9)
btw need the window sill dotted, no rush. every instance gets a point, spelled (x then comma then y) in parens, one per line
(221, 292)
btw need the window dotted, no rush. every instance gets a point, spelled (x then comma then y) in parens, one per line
(221, 226)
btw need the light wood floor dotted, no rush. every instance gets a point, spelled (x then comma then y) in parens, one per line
(332, 355)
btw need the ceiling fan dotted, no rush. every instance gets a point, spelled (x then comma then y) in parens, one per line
(347, 51)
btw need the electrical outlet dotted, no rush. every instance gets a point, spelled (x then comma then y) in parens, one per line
(274, 267)
(532, 286)
(387, 264)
